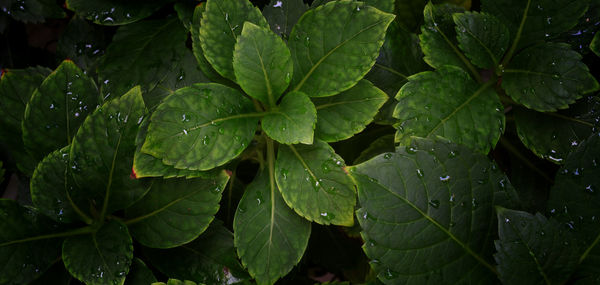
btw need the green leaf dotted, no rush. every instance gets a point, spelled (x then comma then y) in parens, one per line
(283, 15)
(175, 211)
(343, 115)
(324, 45)
(83, 43)
(409, 14)
(139, 274)
(482, 37)
(595, 44)
(221, 24)
(553, 136)
(102, 155)
(293, 121)
(270, 238)
(262, 63)
(139, 54)
(533, 249)
(57, 108)
(185, 12)
(313, 182)
(110, 12)
(32, 11)
(201, 127)
(437, 200)
(547, 77)
(24, 261)
(102, 257)
(448, 103)
(535, 20)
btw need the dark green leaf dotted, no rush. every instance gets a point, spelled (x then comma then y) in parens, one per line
(313, 182)
(482, 37)
(595, 44)
(57, 109)
(111, 12)
(547, 77)
(185, 12)
(293, 121)
(324, 46)
(270, 238)
(437, 200)
(262, 64)
(221, 24)
(283, 15)
(32, 10)
(343, 115)
(448, 103)
(380, 145)
(83, 43)
(139, 274)
(102, 257)
(409, 14)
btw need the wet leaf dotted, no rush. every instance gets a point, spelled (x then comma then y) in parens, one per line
(110, 12)
(292, 121)
(83, 43)
(32, 11)
(482, 37)
(283, 15)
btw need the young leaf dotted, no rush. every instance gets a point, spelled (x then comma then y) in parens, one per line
(533, 249)
(547, 77)
(448, 103)
(201, 127)
(139, 274)
(102, 257)
(293, 121)
(102, 155)
(482, 37)
(221, 24)
(57, 109)
(23, 261)
(283, 15)
(262, 64)
(437, 200)
(270, 238)
(175, 211)
(343, 115)
(110, 13)
(333, 46)
(313, 182)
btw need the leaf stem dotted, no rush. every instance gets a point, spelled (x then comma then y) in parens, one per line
(79, 231)
(81, 214)
(511, 148)
(515, 43)
(589, 249)
(271, 165)
(110, 179)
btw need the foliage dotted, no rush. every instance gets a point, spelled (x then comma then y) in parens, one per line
(455, 143)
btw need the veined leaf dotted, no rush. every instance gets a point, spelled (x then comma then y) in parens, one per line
(102, 257)
(83, 43)
(57, 109)
(175, 211)
(383, 5)
(283, 15)
(139, 274)
(436, 200)
(547, 77)
(110, 12)
(221, 24)
(201, 127)
(333, 46)
(482, 37)
(262, 64)
(313, 182)
(533, 249)
(343, 115)
(448, 103)
(293, 121)
(270, 238)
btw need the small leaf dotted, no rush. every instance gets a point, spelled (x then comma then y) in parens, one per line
(482, 37)
(293, 121)
(283, 15)
(110, 13)
(262, 64)
(448, 103)
(175, 211)
(313, 182)
(343, 115)
(201, 127)
(221, 24)
(57, 108)
(547, 77)
(270, 238)
(102, 257)
(324, 45)
(139, 274)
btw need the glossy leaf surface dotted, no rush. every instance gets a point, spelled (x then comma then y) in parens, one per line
(482, 37)
(110, 12)
(203, 63)
(283, 15)
(293, 121)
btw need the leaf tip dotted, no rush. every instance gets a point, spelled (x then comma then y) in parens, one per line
(133, 175)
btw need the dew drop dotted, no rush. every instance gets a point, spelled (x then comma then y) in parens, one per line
(591, 189)
(411, 149)
(434, 203)
(420, 173)
(387, 155)
(445, 178)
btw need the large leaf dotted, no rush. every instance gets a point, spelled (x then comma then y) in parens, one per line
(102, 155)
(547, 77)
(32, 10)
(553, 136)
(112, 12)
(448, 103)
(102, 257)
(293, 121)
(428, 213)
(482, 37)
(283, 15)
(270, 238)
(57, 109)
(533, 249)
(333, 46)
(313, 182)
(203, 63)
(201, 127)
(175, 211)
(221, 24)
(343, 115)
(23, 261)
(83, 43)
(262, 63)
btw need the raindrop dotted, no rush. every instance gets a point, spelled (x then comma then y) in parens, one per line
(591, 189)
(185, 132)
(284, 173)
(278, 4)
(226, 16)
(221, 130)
(507, 220)
(387, 155)
(549, 20)
(108, 20)
(206, 140)
(76, 114)
(288, 78)
(411, 149)
(434, 203)
(420, 172)
(51, 106)
(474, 203)
(307, 41)
(357, 8)
(445, 178)
(452, 154)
